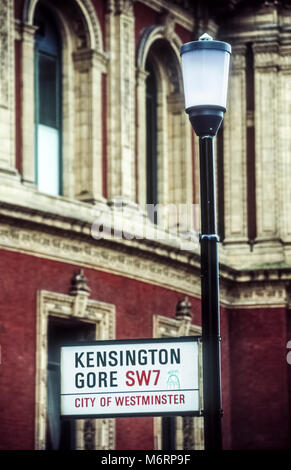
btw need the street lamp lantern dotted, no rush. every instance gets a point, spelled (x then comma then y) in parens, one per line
(205, 67)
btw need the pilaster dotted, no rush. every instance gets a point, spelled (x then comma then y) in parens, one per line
(141, 76)
(27, 60)
(235, 122)
(266, 61)
(120, 41)
(7, 89)
(284, 146)
(88, 67)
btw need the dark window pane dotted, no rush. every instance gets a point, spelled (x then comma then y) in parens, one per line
(169, 433)
(47, 82)
(47, 38)
(61, 433)
(151, 136)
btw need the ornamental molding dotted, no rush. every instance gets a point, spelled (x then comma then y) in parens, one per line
(119, 7)
(60, 237)
(137, 265)
(255, 295)
(85, 59)
(98, 434)
(266, 56)
(84, 15)
(238, 58)
(134, 264)
(152, 34)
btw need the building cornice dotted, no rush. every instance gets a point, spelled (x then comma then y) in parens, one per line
(61, 229)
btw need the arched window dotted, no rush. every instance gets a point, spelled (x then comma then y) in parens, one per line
(48, 107)
(163, 132)
(151, 138)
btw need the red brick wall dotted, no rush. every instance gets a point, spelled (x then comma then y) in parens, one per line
(254, 368)
(259, 385)
(144, 17)
(21, 277)
(225, 373)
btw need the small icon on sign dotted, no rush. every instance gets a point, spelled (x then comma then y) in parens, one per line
(173, 381)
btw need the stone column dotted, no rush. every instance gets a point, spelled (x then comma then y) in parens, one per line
(141, 76)
(235, 166)
(284, 146)
(120, 43)
(266, 141)
(89, 66)
(7, 90)
(28, 132)
(180, 181)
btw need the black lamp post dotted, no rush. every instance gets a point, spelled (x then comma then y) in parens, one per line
(205, 65)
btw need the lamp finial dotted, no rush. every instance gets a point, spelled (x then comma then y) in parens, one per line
(205, 37)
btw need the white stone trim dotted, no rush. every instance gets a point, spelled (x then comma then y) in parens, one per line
(7, 89)
(235, 157)
(95, 34)
(83, 64)
(99, 314)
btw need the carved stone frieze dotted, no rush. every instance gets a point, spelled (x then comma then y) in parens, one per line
(100, 257)
(256, 295)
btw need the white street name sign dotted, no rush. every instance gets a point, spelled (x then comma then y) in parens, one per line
(151, 377)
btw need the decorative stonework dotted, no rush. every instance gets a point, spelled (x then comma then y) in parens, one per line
(120, 41)
(168, 20)
(160, 45)
(266, 55)
(254, 295)
(98, 434)
(235, 151)
(266, 139)
(84, 6)
(83, 62)
(124, 7)
(99, 257)
(184, 309)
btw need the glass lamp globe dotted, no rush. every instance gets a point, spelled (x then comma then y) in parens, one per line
(205, 68)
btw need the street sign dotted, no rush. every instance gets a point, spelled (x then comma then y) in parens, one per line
(148, 377)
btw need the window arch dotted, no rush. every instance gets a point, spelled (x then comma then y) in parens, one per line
(48, 103)
(81, 64)
(158, 57)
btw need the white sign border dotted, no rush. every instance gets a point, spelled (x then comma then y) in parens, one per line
(139, 341)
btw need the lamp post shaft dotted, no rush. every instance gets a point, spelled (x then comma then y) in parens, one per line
(210, 298)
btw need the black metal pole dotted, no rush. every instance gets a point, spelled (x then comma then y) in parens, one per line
(210, 298)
